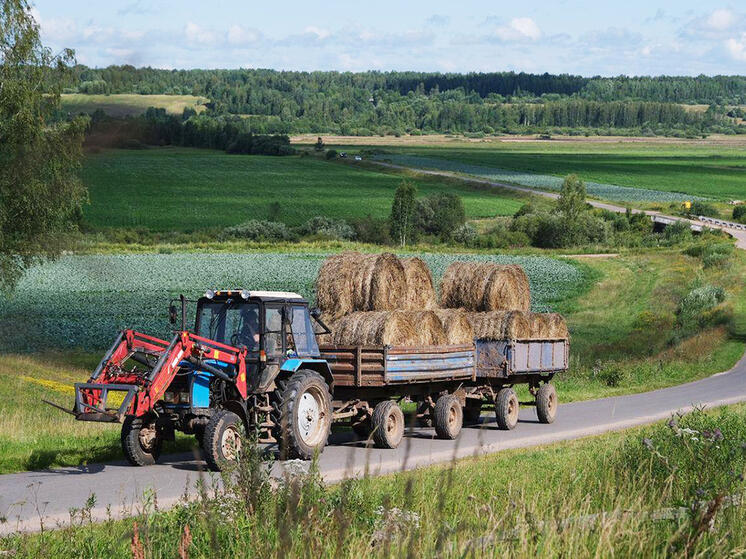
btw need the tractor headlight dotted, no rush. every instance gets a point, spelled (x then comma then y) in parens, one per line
(245, 293)
(209, 294)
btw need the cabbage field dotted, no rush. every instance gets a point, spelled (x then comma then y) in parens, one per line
(83, 301)
(537, 181)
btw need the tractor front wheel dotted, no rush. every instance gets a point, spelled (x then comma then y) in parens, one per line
(222, 439)
(141, 441)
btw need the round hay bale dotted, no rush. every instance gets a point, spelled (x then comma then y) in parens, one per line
(429, 328)
(485, 287)
(456, 325)
(501, 325)
(420, 289)
(321, 337)
(352, 281)
(549, 326)
(376, 328)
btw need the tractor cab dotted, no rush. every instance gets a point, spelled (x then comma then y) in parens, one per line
(273, 326)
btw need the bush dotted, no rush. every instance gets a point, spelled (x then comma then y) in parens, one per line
(677, 232)
(259, 230)
(612, 375)
(373, 230)
(326, 227)
(716, 260)
(694, 304)
(331, 154)
(554, 231)
(440, 214)
(703, 208)
(739, 213)
(465, 234)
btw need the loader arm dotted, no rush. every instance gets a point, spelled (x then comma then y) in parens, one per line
(160, 361)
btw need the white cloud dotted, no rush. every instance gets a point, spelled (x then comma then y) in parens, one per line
(721, 20)
(320, 33)
(196, 34)
(737, 48)
(519, 29)
(239, 35)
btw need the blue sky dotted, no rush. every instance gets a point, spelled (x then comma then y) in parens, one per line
(634, 37)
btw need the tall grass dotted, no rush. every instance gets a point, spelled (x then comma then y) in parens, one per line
(669, 490)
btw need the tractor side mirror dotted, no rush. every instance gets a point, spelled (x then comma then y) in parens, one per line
(172, 314)
(316, 312)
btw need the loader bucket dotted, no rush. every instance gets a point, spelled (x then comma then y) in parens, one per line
(91, 401)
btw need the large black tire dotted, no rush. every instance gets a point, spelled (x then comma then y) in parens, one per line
(506, 409)
(448, 417)
(472, 412)
(546, 403)
(141, 441)
(305, 415)
(388, 424)
(222, 439)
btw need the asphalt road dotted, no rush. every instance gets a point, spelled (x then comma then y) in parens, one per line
(30, 498)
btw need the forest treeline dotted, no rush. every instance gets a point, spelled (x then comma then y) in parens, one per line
(278, 102)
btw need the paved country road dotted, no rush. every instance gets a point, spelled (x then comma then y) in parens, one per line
(30, 497)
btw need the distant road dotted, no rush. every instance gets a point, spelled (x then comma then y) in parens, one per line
(738, 234)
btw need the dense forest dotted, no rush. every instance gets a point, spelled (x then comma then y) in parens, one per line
(278, 102)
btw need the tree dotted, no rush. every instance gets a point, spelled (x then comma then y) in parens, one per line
(40, 193)
(572, 198)
(440, 214)
(403, 213)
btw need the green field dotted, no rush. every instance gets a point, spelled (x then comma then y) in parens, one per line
(713, 171)
(181, 189)
(125, 104)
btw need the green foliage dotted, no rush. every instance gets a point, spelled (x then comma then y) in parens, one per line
(40, 193)
(440, 214)
(258, 230)
(700, 207)
(571, 203)
(369, 229)
(694, 309)
(403, 208)
(739, 213)
(327, 228)
(678, 232)
(554, 230)
(331, 154)
(465, 234)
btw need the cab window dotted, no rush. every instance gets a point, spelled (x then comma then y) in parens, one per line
(232, 323)
(303, 335)
(273, 331)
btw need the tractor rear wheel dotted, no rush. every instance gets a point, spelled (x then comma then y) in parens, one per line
(388, 424)
(305, 415)
(222, 439)
(141, 440)
(448, 417)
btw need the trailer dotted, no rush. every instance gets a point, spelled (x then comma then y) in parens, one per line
(251, 364)
(451, 384)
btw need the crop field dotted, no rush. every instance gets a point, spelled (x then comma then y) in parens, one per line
(125, 104)
(170, 189)
(83, 301)
(661, 171)
(537, 181)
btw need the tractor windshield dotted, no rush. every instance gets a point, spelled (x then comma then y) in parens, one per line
(232, 323)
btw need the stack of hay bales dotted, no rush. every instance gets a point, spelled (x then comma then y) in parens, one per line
(379, 299)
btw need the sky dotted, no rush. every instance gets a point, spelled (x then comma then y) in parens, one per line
(599, 37)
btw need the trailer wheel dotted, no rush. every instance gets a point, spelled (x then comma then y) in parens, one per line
(305, 415)
(222, 439)
(506, 409)
(448, 417)
(546, 403)
(388, 424)
(472, 412)
(141, 441)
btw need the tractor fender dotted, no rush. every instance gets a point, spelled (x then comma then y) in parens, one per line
(318, 365)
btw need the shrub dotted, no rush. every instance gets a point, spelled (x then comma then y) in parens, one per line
(703, 208)
(331, 154)
(694, 304)
(370, 229)
(555, 231)
(739, 213)
(715, 260)
(440, 214)
(465, 234)
(328, 228)
(259, 230)
(677, 232)
(612, 375)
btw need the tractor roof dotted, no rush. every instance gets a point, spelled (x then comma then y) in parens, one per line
(249, 294)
